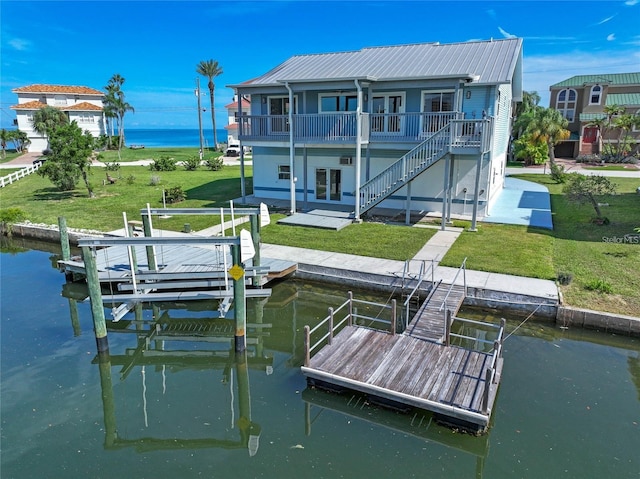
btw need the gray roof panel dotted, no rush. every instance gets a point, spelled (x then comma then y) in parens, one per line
(493, 61)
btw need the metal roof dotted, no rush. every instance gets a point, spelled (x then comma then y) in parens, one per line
(623, 99)
(602, 78)
(492, 62)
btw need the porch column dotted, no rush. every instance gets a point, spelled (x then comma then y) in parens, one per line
(476, 194)
(451, 168)
(445, 192)
(358, 149)
(292, 150)
(242, 180)
(407, 218)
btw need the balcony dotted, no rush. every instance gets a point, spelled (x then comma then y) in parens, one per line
(341, 128)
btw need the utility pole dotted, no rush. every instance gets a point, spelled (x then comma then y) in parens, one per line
(199, 115)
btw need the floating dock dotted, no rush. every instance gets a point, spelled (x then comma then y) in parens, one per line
(418, 368)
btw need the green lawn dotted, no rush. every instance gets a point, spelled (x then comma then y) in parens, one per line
(575, 246)
(610, 168)
(43, 203)
(10, 155)
(128, 154)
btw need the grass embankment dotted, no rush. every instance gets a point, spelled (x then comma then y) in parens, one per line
(576, 247)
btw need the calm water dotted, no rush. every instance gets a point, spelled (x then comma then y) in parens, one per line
(569, 404)
(172, 138)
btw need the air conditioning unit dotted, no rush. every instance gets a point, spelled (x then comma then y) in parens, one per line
(346, 160)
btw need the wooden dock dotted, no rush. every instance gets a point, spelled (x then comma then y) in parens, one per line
(413, 369)
(429, 322)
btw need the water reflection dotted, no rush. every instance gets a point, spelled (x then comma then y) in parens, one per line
(166, 345)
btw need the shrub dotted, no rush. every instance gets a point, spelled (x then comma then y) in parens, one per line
(599, 285)
(130, 179)
(164, 163)
(113, 166)
(214, 164)
(564, 278)
(175, 195)
(557, 173)
(154, 180)
(192, 163)
(10, 216)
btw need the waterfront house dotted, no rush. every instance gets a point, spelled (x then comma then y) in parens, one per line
(80, 103)
(417, 127)
(582, 99)
(233, 110)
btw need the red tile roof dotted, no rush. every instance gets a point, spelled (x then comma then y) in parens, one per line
(234, 105)
(77, 90)
(82, 106)
(36, 105)
(30, 105)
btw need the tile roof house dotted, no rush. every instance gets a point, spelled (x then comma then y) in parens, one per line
(80, 103)
(582, 99)
(233, 110)
(412, 127)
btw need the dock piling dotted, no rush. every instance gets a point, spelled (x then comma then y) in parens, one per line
(64, 238)
(239, 300)
(95, 296)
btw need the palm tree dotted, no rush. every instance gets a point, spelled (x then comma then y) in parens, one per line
(109, 109)
(548, 125)
(47, 119)
(210, 69)
(116, 106)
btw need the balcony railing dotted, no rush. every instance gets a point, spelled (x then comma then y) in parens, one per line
(376, 127)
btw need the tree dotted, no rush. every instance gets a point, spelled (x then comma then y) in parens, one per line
(584, 189)
(548, 125)
(20, 140)
(70, 157)
(47, 119)
(4, 137)
(614, 119)
(116, 106)
(530, 100)
(210, 69)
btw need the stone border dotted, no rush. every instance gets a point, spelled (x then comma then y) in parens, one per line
(588, 319)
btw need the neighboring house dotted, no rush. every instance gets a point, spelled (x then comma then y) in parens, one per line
(233, 112)
(411, 127)
(582, 98)
(80, 103)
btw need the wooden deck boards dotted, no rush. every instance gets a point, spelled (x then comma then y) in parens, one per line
(428, 323)
(445, 379)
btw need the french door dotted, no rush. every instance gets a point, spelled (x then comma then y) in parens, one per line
(328, 184)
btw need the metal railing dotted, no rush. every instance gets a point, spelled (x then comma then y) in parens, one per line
(421, 275)
(491, 371)
(16, 175)
(463, 268)
(376, 127)
(334, 323)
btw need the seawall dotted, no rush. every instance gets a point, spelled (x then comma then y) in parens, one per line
(515, 304)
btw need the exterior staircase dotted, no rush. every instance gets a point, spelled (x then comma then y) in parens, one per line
(405, 169)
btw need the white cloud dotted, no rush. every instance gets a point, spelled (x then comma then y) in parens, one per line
(611, 37)
(19, 44)
(631, 3)
(505, 33)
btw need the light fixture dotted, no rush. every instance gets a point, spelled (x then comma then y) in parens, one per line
(468, 94)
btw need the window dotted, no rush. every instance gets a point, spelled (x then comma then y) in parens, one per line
(284, 172)
(596, 92)
(86, 118)
(566, 103)
(338, 102)
(437, 102)
(60, 100)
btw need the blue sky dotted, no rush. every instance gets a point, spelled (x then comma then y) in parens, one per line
(155, 45)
